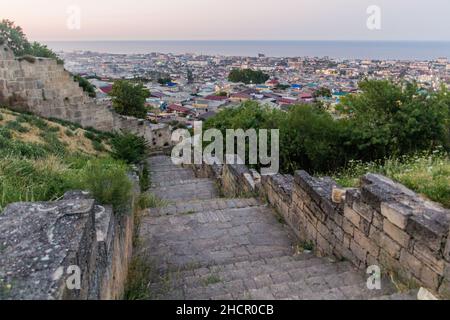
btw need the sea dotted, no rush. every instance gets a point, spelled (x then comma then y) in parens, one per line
(381, 50)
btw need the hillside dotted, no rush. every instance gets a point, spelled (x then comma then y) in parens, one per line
(41, 159)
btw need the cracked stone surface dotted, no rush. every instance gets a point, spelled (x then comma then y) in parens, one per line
(203, 247)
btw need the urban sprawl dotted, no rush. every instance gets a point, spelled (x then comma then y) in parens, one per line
(190, 87)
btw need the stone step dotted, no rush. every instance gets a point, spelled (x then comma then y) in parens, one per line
(198, 190)
(215, 237)
(170, 183)
(195, 206)
(312, 278)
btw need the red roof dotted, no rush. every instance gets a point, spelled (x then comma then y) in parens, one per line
(178, 108)
(285, 101)
(241, 95)
(106, 89)
(216, 98)
(305, 96)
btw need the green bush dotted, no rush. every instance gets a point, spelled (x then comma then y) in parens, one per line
(144, 178)
(129, 147)
(85, 85)
(16, 126)
(149, 200)
(107, 180)
(98, 146)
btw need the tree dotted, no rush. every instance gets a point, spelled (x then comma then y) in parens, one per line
(14, 37)
(190, 76)
(248, 76)
(164, 81)
(322, 92)
(129, 99)
(17, 41)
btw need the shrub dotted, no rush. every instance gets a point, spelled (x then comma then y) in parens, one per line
(16, 126)
(149, 200)
(107, 180)
(98, 146)
(129, 147)
(144, 178)
(69, 133)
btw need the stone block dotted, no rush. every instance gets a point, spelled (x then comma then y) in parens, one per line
(427, 230)
(397, 213)
(390, 246)
(352, 216)
(364, 210)
(359, 252)
(396, 234)
(366, 243)
(433, 260)
(411, 263)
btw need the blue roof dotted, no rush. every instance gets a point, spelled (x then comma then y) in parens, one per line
(296, 86)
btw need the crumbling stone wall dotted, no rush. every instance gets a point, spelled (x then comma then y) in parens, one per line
(381, 223)
(42, 242)
(44, 88)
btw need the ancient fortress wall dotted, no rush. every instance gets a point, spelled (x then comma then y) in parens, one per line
(382, 223)
(46, 89)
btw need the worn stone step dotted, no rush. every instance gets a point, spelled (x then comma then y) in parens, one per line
(198, 190)
(215, 237)
(334, 281)
(195, 206)
(256, 275)
(178, 182)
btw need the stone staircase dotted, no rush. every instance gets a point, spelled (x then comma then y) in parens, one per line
(201, 246)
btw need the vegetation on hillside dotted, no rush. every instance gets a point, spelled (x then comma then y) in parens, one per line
(16, 39)
(248, 76)
(40, 160)
(129, 98)
(427, 173)
(85, 85)
(385, 121)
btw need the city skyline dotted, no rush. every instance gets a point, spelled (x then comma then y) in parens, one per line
(46, 20)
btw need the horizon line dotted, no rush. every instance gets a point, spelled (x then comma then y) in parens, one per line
(234, 40)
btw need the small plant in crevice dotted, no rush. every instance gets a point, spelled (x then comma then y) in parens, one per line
(139, 278)
(149, 200)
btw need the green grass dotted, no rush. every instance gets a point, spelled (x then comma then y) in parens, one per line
(149, 200)
(427, 174)
(45, 171)
(139, 279)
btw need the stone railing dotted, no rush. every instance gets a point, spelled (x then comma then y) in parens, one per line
(71, 249)
(381, 223)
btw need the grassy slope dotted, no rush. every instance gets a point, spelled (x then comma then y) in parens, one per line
(426, 174)
(40, 160)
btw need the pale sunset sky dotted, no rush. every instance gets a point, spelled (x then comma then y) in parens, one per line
(230, 19)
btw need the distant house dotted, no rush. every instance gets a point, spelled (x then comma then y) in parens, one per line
(216, 98)
(306, 97)
(240, 97)
(175, 108)
(272, 83)
(106, 89)
(207, 115)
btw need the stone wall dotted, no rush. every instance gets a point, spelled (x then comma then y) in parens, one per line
(381, 223)
(41, 242)
(46, 89)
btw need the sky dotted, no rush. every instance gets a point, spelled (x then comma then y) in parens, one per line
(47, 20)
